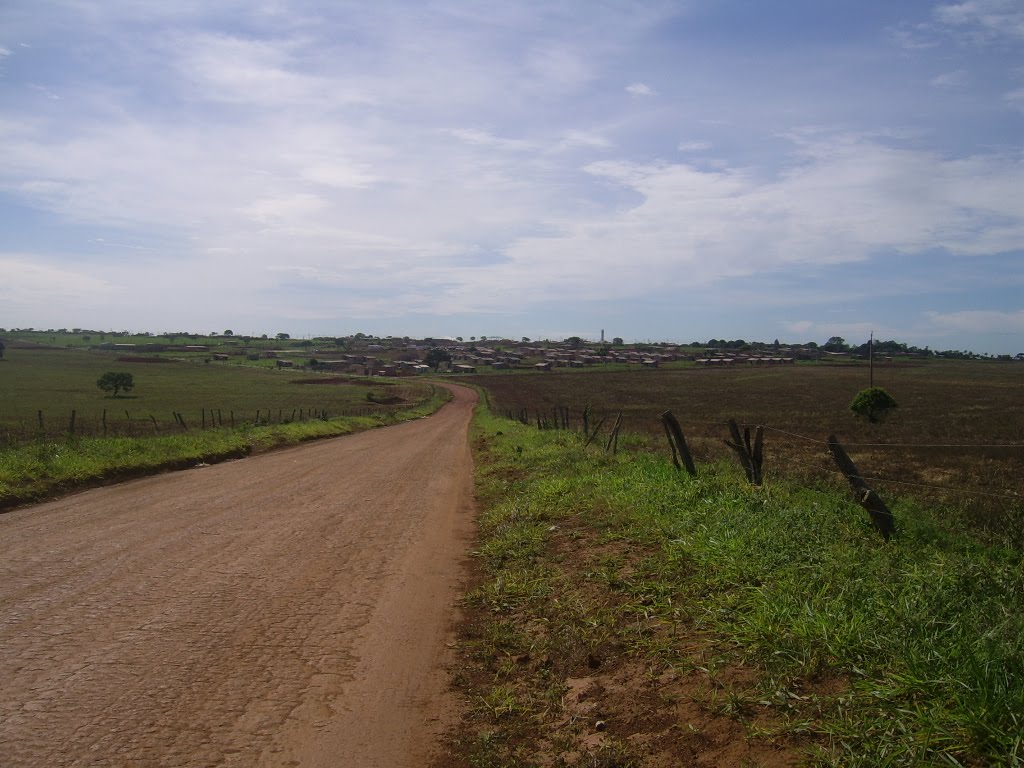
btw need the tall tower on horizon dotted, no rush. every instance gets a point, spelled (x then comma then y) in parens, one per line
(602, 335)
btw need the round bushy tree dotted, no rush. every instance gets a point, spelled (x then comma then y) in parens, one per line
(115, 382)
(873, 404)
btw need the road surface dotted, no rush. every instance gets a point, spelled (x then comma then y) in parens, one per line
(290, 609)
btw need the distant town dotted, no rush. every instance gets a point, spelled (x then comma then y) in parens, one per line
(362, 354)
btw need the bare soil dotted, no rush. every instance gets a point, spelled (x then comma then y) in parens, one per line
(291, 609)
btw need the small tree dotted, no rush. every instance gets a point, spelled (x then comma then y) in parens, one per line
(835, 344)
(873, 404)
(2, 348)
(436, 356)
(112, 381)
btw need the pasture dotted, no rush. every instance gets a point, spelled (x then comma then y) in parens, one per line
(957, 436)
(626, 614)
(57, 381)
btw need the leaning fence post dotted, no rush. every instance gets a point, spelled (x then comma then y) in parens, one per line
(881, 517)
(594, 433)
(613, 437)
(677, 441)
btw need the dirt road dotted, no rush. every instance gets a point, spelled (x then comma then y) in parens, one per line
(291, 609)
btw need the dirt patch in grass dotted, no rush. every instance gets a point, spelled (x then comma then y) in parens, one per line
(594, 672)
(675, 718)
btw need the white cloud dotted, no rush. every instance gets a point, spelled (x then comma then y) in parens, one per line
(1015, 99)
(245, 71)
(441, 157)
(955, 79)
(846, 201)
(487, 139)
(559, 65)
(799, 327)
(290, 210)
(912, 37)
(640, 89)
(578, 138)
(338, 173)
(993, 17)
(26, 280)
(978, 321)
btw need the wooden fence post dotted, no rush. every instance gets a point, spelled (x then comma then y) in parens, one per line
(881, 517)
(593, 434)
(677, 441)
(71, 425)
(613, 438)
(104, 422)
(751, 456)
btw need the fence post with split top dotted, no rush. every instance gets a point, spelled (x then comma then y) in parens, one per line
(881, 517)
(751, 455)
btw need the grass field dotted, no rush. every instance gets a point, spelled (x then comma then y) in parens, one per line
(59, 381)
(136, 433)
(957, 437)
(628, 615)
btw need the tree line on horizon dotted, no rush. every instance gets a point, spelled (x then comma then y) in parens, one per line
(836, 344)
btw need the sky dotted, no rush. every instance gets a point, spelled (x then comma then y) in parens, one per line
(660, 171)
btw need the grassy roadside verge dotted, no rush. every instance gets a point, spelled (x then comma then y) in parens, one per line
(49, 467)
(626, 615)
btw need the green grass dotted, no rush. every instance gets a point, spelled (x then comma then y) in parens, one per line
(859, 652)
(59, 381)
(45, 467)
(956, 437)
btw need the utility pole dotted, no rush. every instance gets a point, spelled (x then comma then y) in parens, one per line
(871, 359)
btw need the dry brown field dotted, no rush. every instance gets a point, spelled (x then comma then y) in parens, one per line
(957, 437)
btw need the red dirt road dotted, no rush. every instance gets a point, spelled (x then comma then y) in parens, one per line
(292, 609)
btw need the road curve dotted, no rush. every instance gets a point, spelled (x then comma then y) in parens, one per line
(291, 609)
